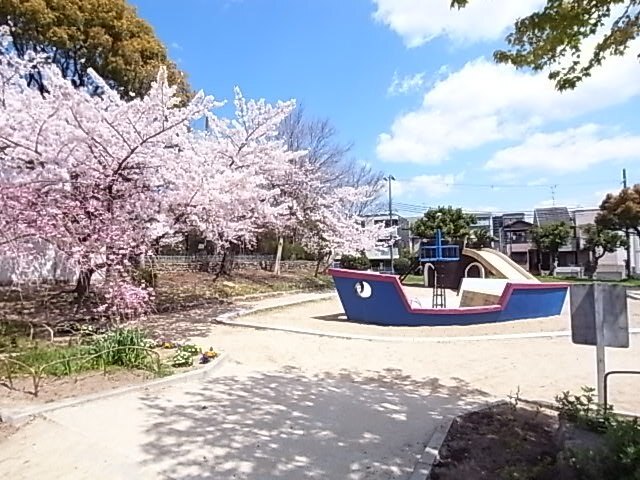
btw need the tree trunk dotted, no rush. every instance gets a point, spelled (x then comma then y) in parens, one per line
(321, 257)
(593, 268)
(276, 265)
(329, 261)
(226, 264)
(594, 264)
(83, 285)
(221, 267)
(552, 266)
(318, 263)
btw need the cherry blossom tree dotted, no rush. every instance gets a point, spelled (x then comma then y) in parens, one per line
(332, 224)
(99, 181)
(88, 175)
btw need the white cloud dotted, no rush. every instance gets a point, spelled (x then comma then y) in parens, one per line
(406, 84)
(538, 182)
(570, 150)
(484, 102)
(176, 46)
(419, 21)
(431, 186)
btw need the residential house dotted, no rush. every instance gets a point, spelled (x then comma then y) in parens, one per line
(483, 220)
(517, 242)
(498, 222)
(516, 239)
(611, 265)
(380, 256)
(568, 253)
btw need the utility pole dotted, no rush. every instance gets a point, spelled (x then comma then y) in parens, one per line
(626, 230)
(389, 179)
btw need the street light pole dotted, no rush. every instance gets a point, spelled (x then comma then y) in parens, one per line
(626, 231)
(389, 179)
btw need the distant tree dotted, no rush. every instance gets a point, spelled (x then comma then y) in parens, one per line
(550, 238)
(554, 37)
(355, 262)
(454, 223)
(107, 36)
(401, 265)
(480, 238)
(327, 156)
(621, 211)
(598, 242)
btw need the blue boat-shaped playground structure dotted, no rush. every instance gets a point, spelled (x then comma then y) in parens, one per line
(376, 298)
(513, 293)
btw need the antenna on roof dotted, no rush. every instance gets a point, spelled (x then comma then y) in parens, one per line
(553, 195)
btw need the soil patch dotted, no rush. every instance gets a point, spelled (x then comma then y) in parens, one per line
(183, 290)
(48, 310)
(6, 430)
(58, 388)
(501, 443)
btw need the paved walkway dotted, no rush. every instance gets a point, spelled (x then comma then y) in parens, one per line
(242, 424)
(289, 406)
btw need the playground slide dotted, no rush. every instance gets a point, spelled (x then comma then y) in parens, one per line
(499, 264)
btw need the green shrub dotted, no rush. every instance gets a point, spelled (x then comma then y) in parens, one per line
(191, 349)
(619, 458)
(124, 347)
(295, 251)
(182, 359)
(355, 262)
(401, 265)
(583, 410)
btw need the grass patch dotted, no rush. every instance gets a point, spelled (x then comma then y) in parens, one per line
(417, 280)
(53, 360)
(121, 348)
(629, 282)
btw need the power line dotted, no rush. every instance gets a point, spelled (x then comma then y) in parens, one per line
(515, 185)
(421, 208)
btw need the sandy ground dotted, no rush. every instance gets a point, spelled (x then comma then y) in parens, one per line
(291, 406)
(328, 316)
(540, 367)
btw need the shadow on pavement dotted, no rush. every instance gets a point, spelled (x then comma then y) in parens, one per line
(286, 425)
(178, 326)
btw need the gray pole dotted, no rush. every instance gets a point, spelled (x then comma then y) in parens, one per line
(626, 230)
(390, 221)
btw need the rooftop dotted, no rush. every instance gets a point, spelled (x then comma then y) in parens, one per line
(545, 216)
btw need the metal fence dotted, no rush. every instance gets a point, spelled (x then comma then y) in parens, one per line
(189, 259)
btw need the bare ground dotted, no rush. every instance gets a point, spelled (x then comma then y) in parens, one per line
(6, 430)
(37, 309)
(58, 388)
(179, 294)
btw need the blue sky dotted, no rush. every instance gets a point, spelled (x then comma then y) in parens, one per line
(411, 84)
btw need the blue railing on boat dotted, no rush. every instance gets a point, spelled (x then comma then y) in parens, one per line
(439, 252)
(442, 253)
